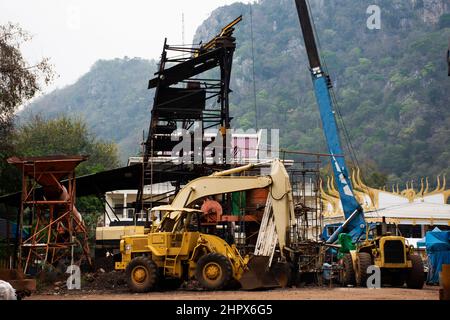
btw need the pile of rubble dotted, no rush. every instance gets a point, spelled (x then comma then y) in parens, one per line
(102, 280)
(99, 281)
(55, 283)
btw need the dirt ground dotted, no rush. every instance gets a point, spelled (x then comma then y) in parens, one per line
(307, 293)
(113, 286)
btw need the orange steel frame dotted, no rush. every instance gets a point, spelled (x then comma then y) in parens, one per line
(45, 244)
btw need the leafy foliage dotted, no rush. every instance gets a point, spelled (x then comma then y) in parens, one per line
(19, 82)
(65, 136)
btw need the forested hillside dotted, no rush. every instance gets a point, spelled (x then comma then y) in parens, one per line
(391, 84)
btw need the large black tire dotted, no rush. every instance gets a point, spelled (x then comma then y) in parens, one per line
(415, 277)
(348, 273)
(213, 271)
(364, 261)
(142, 274)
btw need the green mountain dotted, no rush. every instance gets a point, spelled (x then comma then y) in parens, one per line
(391, 84)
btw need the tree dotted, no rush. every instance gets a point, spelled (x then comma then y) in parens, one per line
(19, 82)
(65, 136)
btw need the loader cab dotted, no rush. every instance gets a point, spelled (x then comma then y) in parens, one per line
(189, 222)
(386, 229)
(381, 229)
(177, 220)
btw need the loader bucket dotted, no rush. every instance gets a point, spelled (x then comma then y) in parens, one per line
(258, 276)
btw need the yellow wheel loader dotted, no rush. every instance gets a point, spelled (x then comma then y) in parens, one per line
(178, 250)
(384, 249)
(176, 247)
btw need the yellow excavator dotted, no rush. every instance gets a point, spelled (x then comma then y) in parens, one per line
(176, 247)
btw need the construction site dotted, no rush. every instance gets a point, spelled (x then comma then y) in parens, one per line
(207, 213)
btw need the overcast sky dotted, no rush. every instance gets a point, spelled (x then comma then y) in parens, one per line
(74, 34)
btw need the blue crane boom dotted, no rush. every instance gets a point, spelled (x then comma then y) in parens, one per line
(354, 224)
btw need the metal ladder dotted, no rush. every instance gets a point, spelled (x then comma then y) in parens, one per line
(169, 262)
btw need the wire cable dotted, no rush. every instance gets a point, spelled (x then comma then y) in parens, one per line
(253, 68)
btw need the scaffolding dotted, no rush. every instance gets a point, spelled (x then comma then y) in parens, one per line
(304, 176)
(47, 211)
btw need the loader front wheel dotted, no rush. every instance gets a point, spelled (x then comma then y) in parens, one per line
(364, 262)
(415, 276)
(213, 271)
(142, 274)
(348, 273)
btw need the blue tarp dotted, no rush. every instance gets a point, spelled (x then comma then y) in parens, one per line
(437, 244)
(9, 229)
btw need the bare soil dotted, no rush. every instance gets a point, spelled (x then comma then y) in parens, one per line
(113, 286)
(306, 293)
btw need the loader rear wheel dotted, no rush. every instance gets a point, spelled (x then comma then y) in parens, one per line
(213, 271)
(364, 262)
(415, 276)
(348, 273)
(142, 274)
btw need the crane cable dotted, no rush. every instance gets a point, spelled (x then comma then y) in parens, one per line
(253, 68)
